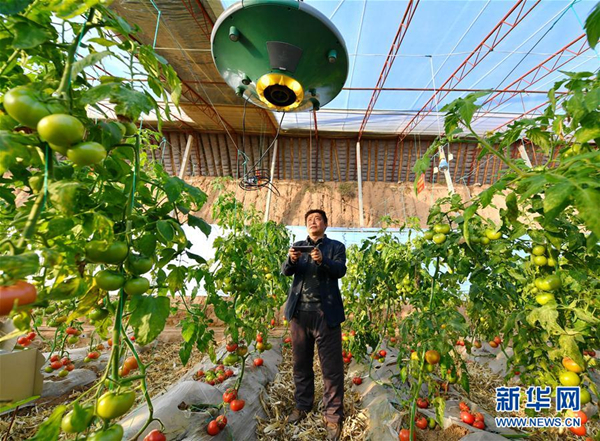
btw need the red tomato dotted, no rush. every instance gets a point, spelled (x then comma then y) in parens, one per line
(213, 428)
(131, 363)
(231, 347)
(109, 342)
(21, 292)
(258, 362)
(237, 405)
(200, 373)
(229, 373)
(229, 395)
(404, 435)
(579, 431)
(70, 367)
(155, 435)
(357, 381)
(497, 340)
(221, 421)
(259, 338)
(467, 417)
(55, 357)
(56, 365)
(71, 331)
(479, 417)
(65, 361)
(581, 414)
(382, 353)
(23, 341)
(479, 425)
(464, 406)
(421, 423)
(31, 335)
(422, 403)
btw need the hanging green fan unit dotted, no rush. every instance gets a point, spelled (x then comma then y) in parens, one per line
(281, 55)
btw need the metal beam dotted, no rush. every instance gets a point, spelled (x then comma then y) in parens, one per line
(516, 14)
(204, 106)
(521, 115)
(534, 75)
(389, 61)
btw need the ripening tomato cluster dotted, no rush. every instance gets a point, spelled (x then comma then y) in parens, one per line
(476, 420)
(64, 133)
(215, 375)
(230, 397)
(57, 363)
(26, 340)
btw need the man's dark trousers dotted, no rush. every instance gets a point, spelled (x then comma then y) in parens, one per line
(306, 328)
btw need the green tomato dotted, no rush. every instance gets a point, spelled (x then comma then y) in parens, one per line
(121, 127)
(441, 228)
(484, 240)
(78, 419)
(231, 359)
(98, 314)
(63, 373)
(61, 130)
(538, 250)
(551, 262)
(112, 404)
(542, 299)
(98, 252)
(136, 286)
(540, 260)
(492, 235)
(554, 281)
(130, 129)
(428, 235)
(59, 149)
(48, 370)
(584, 396)
(109, 280)
(568, 378)
(439, 238)
(50, 309)
(73, 339)
(138, 265)
(22, 104)
(87, 153)
(113, 433)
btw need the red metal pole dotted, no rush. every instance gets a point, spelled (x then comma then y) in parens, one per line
(483, 49)
(389, 61)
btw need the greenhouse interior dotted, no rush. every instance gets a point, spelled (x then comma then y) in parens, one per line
(299, 220)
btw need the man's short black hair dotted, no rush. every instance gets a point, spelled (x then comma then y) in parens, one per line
(321, 212)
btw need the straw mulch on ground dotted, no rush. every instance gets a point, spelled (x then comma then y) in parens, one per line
(278, 403)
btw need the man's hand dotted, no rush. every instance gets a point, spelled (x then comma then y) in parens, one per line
(316, 256)
(294, 255)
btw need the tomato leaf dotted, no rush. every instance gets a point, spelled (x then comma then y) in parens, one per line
(547, 316)
(557, 198)
(173, 188)
(176, 278)
(570, 349)
(440, 408)
(13, 7)
(65, 194)
(165, 231)
(592, 26)
(50, 429)
(20, 266)
(29, 35)
(194, 221)
(13, 146)
(131, 103)
(587, 202)
(89, 60)
(149, 317)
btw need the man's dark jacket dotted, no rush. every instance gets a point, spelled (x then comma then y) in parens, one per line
(332, 268)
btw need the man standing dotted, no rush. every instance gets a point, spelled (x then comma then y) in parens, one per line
(315, 311)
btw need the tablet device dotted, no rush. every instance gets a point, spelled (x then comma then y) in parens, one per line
(303, 248)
